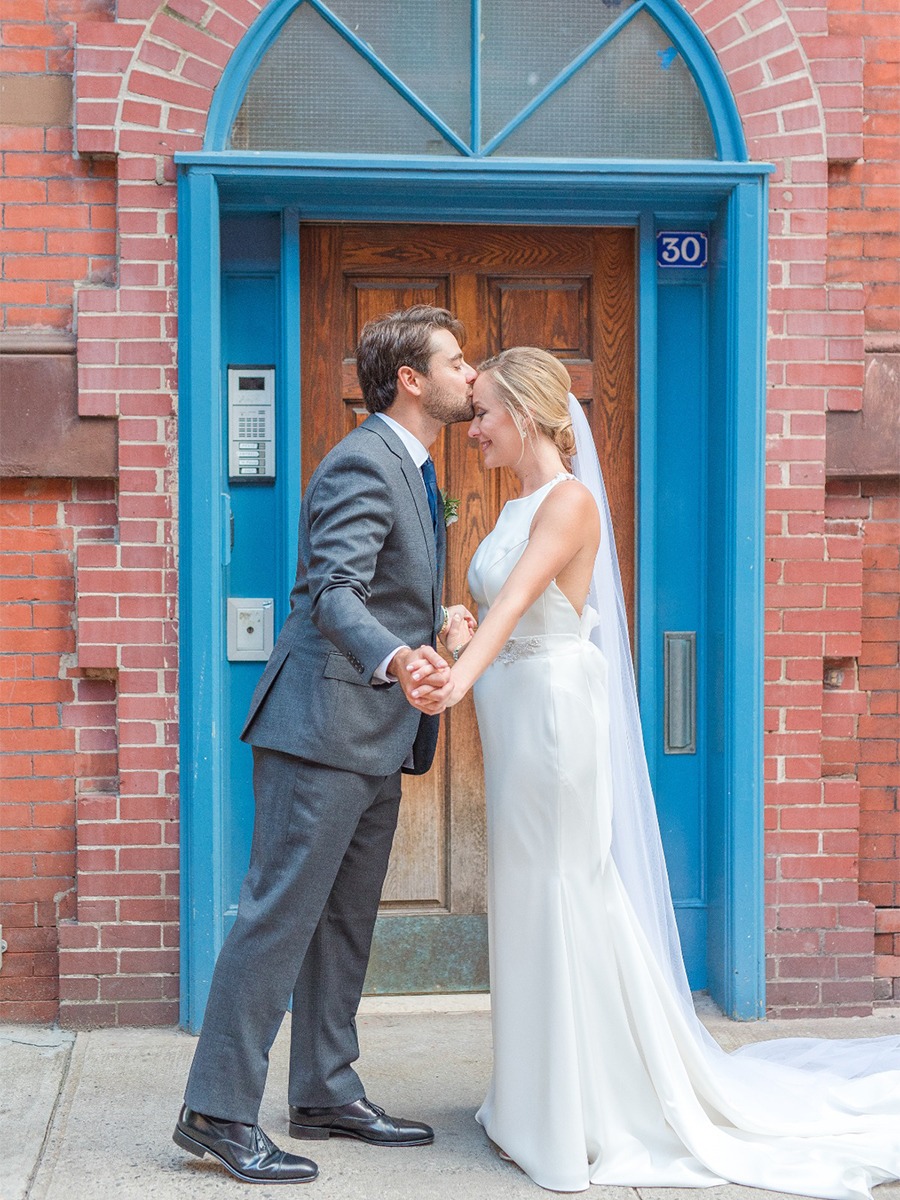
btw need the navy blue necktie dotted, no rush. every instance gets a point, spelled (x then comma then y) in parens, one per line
(431, 488)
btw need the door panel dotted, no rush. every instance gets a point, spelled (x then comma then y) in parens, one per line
(679, 777)
(568, 290)
(249, 324)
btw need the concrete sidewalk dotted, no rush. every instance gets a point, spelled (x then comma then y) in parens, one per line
(90, 1117)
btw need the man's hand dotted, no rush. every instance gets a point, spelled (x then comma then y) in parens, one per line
(464, 621)
(460, 631)
(433, 675)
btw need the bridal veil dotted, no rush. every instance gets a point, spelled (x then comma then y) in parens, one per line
(778, 1071)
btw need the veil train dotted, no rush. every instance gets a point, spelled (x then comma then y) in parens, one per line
(785, 1064)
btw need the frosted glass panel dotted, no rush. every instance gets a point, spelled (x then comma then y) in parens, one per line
(634, 99)
(313, 91)
(526, 43)
(427, 45)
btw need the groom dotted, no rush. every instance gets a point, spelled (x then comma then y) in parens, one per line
(331, 729)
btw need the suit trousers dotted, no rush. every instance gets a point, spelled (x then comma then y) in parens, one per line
(321, 843)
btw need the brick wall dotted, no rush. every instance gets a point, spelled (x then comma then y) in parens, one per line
(864, 248)
(74, 254)
(864, 194)
(861, 726)
(59, 217)
(58, 729)
(804, 75)
(879, 729)
(804, 92)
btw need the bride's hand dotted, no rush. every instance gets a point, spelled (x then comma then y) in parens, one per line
(431, 692)
(432, 699)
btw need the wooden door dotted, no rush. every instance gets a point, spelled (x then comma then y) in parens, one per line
(568, 290)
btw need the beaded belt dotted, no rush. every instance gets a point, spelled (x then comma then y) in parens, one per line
(528, 647)
(521, 647)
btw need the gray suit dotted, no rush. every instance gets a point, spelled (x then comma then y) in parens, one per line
(328, 742)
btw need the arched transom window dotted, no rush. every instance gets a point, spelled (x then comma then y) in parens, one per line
(478, 78)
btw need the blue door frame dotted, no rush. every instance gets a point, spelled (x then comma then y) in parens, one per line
(727, 198)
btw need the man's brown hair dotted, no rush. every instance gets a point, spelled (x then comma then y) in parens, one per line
(398, 339)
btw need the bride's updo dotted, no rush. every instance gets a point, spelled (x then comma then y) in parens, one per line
(534, 387)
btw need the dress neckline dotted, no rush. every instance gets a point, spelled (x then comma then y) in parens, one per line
(537, 491)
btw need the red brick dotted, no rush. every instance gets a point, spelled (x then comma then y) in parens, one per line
(784, 992)
(124, 987)
(149, 909)
(86, 1016)
(78, 988)
(74, 936)
(27, 988)
(89, 962)
(150, 962)
(846, 991)
(148, 1012)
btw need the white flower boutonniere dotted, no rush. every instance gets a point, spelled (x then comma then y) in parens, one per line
(451, 508)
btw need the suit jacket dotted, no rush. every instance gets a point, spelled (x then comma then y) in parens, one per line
(369, 579)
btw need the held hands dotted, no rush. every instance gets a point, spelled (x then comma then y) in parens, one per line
(424, 676)
(430, 692)
(427, 693)
(430, 671)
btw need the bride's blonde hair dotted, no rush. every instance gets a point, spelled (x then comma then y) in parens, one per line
(534, 387)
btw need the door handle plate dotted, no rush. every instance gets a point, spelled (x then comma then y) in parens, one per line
(680, 692)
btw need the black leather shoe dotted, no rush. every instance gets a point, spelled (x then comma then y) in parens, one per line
(244, 1150)
(362, 1120)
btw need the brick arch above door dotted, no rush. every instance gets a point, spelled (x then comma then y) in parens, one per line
(145, 82)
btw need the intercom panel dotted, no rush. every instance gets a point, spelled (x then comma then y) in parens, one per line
(251, 424)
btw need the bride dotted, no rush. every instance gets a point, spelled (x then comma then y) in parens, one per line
(602, 1073)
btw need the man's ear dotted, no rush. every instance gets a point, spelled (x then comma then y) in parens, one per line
(409, 381)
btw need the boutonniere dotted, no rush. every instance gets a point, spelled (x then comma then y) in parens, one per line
(451, 508)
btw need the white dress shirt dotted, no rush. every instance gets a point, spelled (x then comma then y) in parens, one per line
(417, 452)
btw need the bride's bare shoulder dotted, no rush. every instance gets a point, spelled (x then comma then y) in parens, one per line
(569, 503)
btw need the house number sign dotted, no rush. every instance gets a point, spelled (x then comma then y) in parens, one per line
(680, 249)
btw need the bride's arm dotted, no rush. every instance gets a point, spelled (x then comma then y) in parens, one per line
(566, 524)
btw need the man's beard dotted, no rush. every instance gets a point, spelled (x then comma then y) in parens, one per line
(446, 406)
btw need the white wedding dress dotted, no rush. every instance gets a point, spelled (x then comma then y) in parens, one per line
(600, 1074)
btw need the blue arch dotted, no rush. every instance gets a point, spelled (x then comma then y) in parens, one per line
(685, 34)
